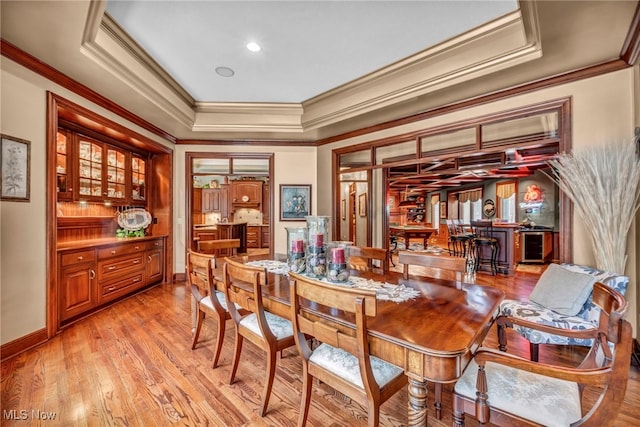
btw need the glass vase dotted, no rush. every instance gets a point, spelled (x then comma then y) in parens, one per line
(338, 261)
(318, 229)
(296, 244)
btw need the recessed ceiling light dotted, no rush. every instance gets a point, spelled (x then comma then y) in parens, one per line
(253, 47)
(224, 71)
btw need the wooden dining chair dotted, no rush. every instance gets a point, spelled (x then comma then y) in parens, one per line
(220, 247)
(436, 266)
(501, 389)
(208, 300)
(364, 258)
(342, 360)
(243, 286)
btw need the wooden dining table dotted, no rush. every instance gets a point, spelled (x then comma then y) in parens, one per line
(432, 337)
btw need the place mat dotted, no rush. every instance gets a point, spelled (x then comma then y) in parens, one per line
(272, 266)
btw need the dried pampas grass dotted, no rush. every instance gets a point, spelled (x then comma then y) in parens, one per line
(604, 185)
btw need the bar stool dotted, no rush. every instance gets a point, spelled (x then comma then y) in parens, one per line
(483, 230)
(459, 242)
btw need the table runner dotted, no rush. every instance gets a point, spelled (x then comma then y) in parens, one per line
(384, 291)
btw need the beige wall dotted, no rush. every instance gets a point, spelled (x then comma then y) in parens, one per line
(23, 232)
(604, 109)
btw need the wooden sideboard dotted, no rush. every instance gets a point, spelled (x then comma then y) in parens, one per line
(93, 274)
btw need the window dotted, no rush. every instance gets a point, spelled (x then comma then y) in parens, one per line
(506, 195)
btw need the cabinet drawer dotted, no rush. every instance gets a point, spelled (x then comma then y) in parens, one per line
(127, 248)
(76, 257)
(111, 268)
(155, 244)
(115, 289)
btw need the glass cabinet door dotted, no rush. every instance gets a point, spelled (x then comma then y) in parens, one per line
(63, 169)
(116, 174)
(90, 169)
(138, 178)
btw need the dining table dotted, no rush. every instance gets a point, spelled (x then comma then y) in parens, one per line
(432, 335)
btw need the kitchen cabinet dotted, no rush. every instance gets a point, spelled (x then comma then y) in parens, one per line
(75, 285)
(207, 200)
(246, 191)
(265, 236)
(92, 277)
(266, 205)
(236, 230)
(64, 169)
(253, 236)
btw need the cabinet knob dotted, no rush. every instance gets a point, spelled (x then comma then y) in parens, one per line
(136, 261)
(80, 257)
(92, 274)
(111, 288)
(112, 267)
(149, 258)
(113, 252)
(137, 247)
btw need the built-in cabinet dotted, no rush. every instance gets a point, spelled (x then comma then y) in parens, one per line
(94, 171)
(246, 191)
(208, 200)
(92, 277)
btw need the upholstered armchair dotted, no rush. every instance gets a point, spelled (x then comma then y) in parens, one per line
(562, 298)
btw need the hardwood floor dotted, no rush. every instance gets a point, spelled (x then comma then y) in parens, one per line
(131, 364)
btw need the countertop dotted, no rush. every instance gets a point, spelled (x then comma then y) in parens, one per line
(215, 226)
(93, 243)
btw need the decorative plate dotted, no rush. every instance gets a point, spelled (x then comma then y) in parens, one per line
(489, 208)
(134, 219)
(245, 198)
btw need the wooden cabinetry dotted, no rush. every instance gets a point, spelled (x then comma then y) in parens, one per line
(253, 236)
(207, 200)
(234, 231)
(91, 170)
(266, 205)
(417, 214)
(246, 191)
(90, 278)
(76, 283)
(266, 236)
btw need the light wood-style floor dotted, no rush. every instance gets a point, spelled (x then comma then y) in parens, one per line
(131, 365)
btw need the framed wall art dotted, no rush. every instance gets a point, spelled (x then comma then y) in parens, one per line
(15, 158)
(362, 204)
(443, 210)
(295, 202)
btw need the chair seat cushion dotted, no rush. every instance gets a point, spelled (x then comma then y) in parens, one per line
(206, 301)
(280, 327)
(345, 365)
(545, 400)
(562, 290)
(533, 312)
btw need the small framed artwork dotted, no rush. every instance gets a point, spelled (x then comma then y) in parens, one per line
(362, 204)
(443, 210)
(295, 202)
(15, 158)
(343, 209)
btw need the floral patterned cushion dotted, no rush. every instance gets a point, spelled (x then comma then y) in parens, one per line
(545, 400)
(345, 365)
(587, 318)
(280, 326)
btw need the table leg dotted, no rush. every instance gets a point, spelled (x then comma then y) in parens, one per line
(417, 405)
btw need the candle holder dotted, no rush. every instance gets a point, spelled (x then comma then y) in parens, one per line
(296, 243)
(338, 263)
(318, 228)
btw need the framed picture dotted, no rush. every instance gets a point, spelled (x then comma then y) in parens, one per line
(295, 202)
(362, 204)
(15, 158)
(343, 209)
(443, 210)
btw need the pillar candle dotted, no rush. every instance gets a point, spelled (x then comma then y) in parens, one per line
(337, 255)
(297, 246)
(316, 240)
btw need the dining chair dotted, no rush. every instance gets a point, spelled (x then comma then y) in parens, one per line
(501, 388)
(436, 266)
(365, 258)
(483, 238)
(342, 360)
(208, 300)
(562, 298)
(219, 247)
(272, 333)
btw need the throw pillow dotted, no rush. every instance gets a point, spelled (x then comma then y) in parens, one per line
(562, 291)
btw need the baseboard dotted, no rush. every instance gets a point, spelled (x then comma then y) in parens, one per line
(179, 277)
(24, 343)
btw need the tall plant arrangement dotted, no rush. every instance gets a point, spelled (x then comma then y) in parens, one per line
(603, 183)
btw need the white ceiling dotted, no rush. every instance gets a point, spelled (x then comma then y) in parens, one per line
(327, 67)
(308, 47)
